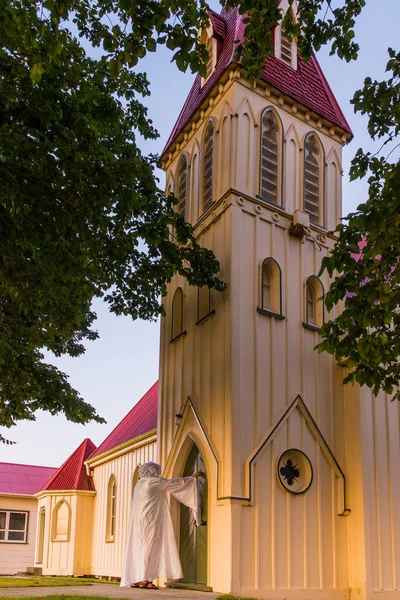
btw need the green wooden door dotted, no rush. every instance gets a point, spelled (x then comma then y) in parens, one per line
(193, 540)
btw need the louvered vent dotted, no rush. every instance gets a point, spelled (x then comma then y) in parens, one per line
(182, 186)
(208, 166)
(269, 158)
(286, 49)
(312, 180)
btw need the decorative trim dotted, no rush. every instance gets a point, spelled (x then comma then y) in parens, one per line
(297, 403)
(280, 471)
(125, 446)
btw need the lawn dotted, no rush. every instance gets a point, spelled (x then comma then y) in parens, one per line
(11, 582)
(230, 597)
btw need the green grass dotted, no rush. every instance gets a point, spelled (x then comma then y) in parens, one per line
(230, 597)
(17, 582)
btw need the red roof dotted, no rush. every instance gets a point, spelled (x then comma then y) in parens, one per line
(72, 474)
(140, 420)
(23, 479)
(306, 85)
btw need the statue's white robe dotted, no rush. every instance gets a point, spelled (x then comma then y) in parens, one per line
(151, 550)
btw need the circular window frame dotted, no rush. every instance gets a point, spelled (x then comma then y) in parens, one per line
(281, 479)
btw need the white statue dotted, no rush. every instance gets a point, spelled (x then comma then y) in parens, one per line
(151, 550)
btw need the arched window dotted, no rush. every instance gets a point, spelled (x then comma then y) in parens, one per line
(314, 303)
(40, 536)
(204, 304)
(271, 158)
(182, 185)
(177, 315)
(111, 509)
(208, 165)
(313, 179)
(271, 288)
(61, 522)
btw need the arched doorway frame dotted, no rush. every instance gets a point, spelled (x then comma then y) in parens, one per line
(182, 456)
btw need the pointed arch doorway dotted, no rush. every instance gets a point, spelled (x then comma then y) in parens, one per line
(193, 540)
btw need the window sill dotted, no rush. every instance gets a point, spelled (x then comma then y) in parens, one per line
(13, 542)
(270, 313)
(177, 337)
(206, 317)
(311, 326)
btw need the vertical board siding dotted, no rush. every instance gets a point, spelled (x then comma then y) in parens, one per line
(107, 557)
(17, 557)
(384, 492)
(293, 535)
(242, 369)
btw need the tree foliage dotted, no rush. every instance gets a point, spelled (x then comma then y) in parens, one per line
(365, 259)
(81, 215)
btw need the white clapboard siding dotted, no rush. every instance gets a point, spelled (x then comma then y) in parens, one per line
(17, 557)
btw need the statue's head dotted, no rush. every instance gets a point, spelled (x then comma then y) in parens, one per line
(150, 469)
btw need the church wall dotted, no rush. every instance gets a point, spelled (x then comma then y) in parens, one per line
(17, 557)
(107, 556)
(380, 446)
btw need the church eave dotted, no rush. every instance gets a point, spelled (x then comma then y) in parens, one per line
(146, 438)
(230, 75)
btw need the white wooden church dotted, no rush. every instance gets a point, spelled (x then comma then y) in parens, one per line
(302, 489)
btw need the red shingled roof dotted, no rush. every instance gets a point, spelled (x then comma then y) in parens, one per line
(23, 479)
(306, 85)
(141, 419)
(72, 474)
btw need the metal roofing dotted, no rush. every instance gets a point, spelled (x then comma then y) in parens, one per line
(72, 474)
(306, 85)
(140, 420)
(23, 479)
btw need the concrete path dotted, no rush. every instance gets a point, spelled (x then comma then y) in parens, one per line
(107, 590)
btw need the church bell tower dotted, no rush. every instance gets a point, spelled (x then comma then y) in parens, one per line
(257, 171)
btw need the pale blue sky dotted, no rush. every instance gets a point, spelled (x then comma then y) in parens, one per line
(118, 368)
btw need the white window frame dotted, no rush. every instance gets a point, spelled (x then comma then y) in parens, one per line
(278, 46)
(7, 529)
(111, 508)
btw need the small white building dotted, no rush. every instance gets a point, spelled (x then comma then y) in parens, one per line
(18, 514)
(84, 508)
